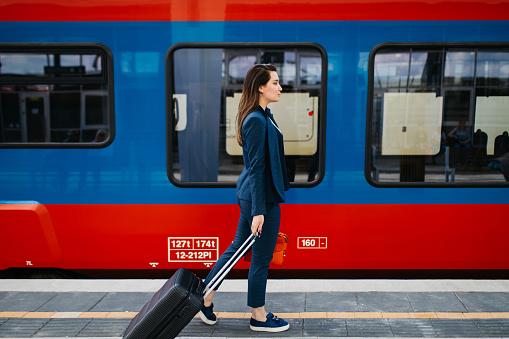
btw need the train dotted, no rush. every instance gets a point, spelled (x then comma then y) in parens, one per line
(117, 134)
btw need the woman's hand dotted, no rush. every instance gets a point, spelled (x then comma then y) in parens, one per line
(256, 225)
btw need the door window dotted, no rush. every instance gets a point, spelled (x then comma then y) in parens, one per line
(438, 115)
(205, 86)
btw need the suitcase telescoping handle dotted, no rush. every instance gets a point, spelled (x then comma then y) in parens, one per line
(229, 265)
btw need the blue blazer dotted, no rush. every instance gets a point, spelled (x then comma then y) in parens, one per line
(264, 179)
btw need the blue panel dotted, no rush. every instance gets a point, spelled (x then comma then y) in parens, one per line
(133, 168)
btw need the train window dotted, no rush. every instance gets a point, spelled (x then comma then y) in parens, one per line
(56, 95)
(437, 115)
(204, 85)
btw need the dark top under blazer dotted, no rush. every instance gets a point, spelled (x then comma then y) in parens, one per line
(264, 179)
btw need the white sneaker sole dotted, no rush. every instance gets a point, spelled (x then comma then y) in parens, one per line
(205, 319)
(269, 329)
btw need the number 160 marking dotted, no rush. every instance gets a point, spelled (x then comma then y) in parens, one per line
(312, 242)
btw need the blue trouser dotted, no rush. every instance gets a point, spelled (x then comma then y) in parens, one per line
(263, 249)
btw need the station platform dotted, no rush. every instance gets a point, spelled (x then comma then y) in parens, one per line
(53, 308)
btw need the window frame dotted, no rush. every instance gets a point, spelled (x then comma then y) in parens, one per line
(107, 78)
(417, 46)
(247, 45)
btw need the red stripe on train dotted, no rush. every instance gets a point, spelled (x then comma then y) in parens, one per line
(346, 236)
(248, 10)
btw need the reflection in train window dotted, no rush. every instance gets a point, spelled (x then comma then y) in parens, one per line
(56, 95)
(204, 89)
(438, 115)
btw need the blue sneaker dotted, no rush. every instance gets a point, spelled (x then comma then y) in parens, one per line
(207, 315)
(272, 324)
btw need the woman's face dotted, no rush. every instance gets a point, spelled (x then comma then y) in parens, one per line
(271, 91)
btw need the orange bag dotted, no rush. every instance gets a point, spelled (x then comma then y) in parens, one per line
(279, 251)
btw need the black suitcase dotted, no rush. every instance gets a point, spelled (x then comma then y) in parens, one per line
(176, 303)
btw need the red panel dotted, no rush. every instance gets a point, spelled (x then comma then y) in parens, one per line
(357, 236)
(134, 236)
(402, 236)
(27, 237)
(249, 10)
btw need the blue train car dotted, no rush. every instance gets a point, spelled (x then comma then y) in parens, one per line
(117, 148)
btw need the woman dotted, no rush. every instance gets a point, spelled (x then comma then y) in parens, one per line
(260, 190)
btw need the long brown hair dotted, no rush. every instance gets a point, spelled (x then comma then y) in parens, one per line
(257, 76)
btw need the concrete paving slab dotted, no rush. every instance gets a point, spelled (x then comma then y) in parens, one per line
(285, 302)
(325, 327)
(435, 302)
(231, 302)
(368, 328)
(105, 328)
(25, 301)
(16, 328)
(383, 302)
(122, 301)
(231, 328)
(411, 328)
(455, 328)
(197, 328)
(275, 302)
(72, 302)
(331, 302)
(484, 302)
(493, 327)
(62, 328)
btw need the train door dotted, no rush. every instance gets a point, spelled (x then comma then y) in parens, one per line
(35, 121)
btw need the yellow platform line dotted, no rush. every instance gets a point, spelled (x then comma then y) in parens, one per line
(301, 315)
